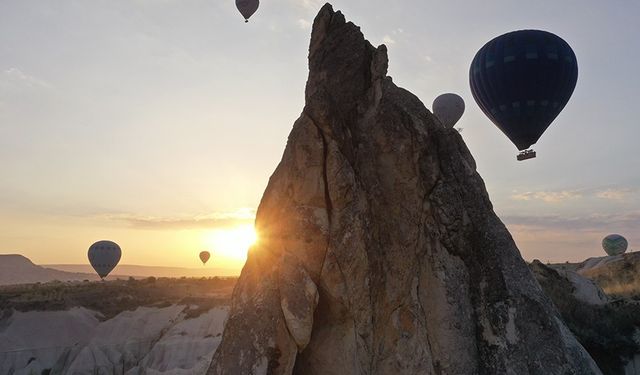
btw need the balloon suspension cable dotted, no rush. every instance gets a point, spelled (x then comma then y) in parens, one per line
(526, 154)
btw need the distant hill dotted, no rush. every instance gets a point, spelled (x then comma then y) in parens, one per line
(146, 271)
(17, 269)
(618, 275)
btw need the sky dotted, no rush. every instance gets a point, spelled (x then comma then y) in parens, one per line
(157, 123)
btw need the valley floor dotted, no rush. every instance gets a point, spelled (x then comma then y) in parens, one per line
(164, 326)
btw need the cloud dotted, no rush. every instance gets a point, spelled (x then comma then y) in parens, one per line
(564, 195)
(304, 24)
(209, 221)
(548, 196)
(308, 5)
(627, 222)
(615, 193)
(314, 5)
(16, 77)
(392, 37)
(388, 40)
(575, 238)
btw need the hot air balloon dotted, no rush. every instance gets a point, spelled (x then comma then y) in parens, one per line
(448, 108)
(204, 256)
(104, 257)
(522, 80)
(247, 8)
(614, 244)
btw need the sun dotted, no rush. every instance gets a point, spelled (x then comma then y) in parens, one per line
(231, 242)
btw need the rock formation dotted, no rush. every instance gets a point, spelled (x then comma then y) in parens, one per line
(379, 250)
(619, 274)
(176, 339)
(606, 327)
(558, 277)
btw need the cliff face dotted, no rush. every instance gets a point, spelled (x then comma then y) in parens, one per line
(379, 249)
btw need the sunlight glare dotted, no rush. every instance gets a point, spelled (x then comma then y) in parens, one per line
(232, 242)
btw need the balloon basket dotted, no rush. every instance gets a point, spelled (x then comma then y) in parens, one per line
(526, 154)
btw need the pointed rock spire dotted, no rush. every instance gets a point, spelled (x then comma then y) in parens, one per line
(380, 252)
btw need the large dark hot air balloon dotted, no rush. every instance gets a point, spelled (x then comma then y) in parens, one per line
(104, 257)
(522, 80)
(247, 8)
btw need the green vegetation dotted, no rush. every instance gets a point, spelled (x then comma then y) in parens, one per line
(113, 297)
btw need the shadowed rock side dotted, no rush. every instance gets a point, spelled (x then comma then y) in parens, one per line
(380, 252)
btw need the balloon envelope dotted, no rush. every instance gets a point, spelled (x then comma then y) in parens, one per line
(614, 244)
(204, 257)
(104, 257)
(522, 80)
(448, 108)
(247, 7)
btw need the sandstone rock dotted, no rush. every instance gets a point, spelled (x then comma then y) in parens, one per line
(606, 327)
(298, 299)
(148, 340)
(383, 210)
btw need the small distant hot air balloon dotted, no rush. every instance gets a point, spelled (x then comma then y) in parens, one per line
(448, 108)
(522, 80)
(204, 256)
(247, 8)
(104, 257)
(614, 244)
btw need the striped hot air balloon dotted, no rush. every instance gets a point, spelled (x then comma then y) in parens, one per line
(614, 244)
(204, 256)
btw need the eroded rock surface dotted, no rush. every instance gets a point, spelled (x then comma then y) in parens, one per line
(379, 210)
(175, 340)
